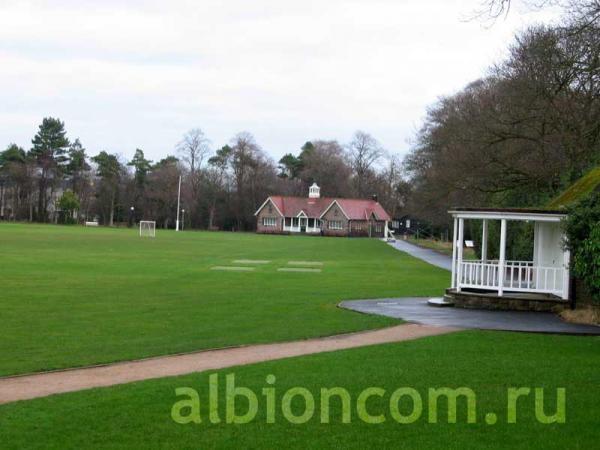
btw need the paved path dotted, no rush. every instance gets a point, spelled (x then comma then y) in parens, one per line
(415, 309)
(427, 255)
(43, 384)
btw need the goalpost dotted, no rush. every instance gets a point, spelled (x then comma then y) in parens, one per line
(147, 228)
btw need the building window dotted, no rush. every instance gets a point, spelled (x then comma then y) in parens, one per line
(357, 226)
(288, 221)
(378, 228)
(269, 222)
(335, 225)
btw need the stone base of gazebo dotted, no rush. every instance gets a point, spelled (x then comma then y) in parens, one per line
(510, 301)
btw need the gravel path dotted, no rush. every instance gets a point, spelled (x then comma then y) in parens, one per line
(43, 384)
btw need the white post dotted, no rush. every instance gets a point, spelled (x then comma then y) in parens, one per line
(566, 271)
(460, 245)
(484, 241)
(454, 237)
(502, 259)
(385, 230)
(178, 200)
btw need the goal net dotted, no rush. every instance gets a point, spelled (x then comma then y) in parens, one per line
(147, 228)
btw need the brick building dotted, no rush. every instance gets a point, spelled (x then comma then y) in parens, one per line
(321, 215)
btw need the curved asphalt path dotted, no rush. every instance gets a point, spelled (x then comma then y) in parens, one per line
(416, 309)
(432, 257)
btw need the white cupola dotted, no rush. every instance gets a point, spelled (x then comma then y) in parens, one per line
(314, 191)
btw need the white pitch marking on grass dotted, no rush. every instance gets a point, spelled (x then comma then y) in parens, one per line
(298, 269)
(251, 261)
(233, 268)
(305, 263)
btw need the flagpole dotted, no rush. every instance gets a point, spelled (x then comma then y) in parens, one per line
(178, 201)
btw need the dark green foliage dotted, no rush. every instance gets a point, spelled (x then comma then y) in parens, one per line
(587, 261)
(12, 154)
(77, 159)
(110, 170)
(583, 239)
(141, 166)
(108, 165)
(50, 142)
(49, 151)
(165, 162)
(290, 166)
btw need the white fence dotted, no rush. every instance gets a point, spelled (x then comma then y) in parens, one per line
(519, 276)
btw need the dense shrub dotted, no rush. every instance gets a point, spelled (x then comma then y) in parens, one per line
(583, 239)
(68, 204)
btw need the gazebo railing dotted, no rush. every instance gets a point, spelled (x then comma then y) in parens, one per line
(519, 276)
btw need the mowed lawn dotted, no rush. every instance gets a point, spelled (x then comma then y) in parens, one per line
(139, 415)
(75, 296)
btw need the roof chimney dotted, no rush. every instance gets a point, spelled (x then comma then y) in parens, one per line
(374, 197)
(314, 191)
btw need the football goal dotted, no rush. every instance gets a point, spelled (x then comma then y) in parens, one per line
(147, 228)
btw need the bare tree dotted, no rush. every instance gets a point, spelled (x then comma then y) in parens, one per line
(581, 13)
(494, 9)
(193, 149)
(324, 162)
(253, 175)
(393, 189)
(364, 150)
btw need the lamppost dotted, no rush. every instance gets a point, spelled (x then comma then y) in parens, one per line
(178, 202)
(182, 218)
(131, 216)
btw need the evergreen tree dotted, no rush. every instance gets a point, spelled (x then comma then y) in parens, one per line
(49, 151)
(110, 171)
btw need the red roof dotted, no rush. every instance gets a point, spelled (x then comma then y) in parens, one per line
(354, 208)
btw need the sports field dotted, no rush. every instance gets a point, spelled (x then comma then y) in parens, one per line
(74, 296)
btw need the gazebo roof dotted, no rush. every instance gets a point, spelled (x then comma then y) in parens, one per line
(534, 214)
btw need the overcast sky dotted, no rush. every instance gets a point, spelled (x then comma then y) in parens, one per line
(140, 75)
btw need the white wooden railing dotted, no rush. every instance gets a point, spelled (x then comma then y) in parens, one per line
(297, 229)
(519, 276)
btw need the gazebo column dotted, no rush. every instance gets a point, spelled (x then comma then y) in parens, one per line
(454, 237)
(502, 259)
(484, 241)
(460, 245)
(566, 271)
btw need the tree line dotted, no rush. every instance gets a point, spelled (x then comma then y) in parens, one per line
(520, 134)
(57, 181)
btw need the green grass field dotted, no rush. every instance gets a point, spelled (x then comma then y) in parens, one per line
(74, 296)
(139, 415)
(77, 296)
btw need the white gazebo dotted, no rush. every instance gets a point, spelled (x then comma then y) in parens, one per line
(547, 273)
